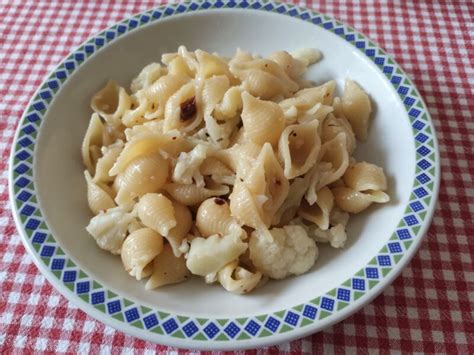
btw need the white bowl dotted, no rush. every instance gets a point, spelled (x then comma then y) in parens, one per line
(48, 191)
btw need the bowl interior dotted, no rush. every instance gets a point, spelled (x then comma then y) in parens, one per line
(59, 171)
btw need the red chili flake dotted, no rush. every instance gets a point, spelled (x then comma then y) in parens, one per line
(278, 182)
(174, 138)
(294, 134)
(219, 201)
(188, 109)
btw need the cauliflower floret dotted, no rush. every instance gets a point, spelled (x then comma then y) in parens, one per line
(336, 236)
(207, 256)
(291, 252)
(110, 228)
(187, 166)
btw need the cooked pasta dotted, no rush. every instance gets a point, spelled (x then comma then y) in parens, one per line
(230, 169)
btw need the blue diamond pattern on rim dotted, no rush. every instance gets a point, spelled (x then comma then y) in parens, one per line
(233, 4)
(317, 20)
(121, 28)
(39, 106)
(27, 210)
(418, 125)
(24, 196)
(379, 61)
(252, 327)
(388, 70)
(328, 25)
(33, 117)
(47, 251)
(170, 326)
(423, 178)
(256, 5)
(416, 206)
(89, 48)
(79, 57)
(424, 164)
(395, 247)
(145, 19)
(293, 12)
(272, 324)
(384, 260)
(70, 276)
(62, 74)
(371, 272)
(403, 90)
(269, 7)
(339, 31)
(25, 142)
(22, 182)
(350, 37)
(327, 304)
(29, 129)
(99, 41)
(420, 137)
(370, 52)
(420, 192)
(69, 65)
(131, 314)
(403, 234)
(411, 220)
(45, 95)
(53, 84)
(409, 101)
(182, 8)
(396, 79)
(22, 168)
(343, 294)
(82, 287)
(114, 307)
(292, 318)
(32, 224)
(211, 330)
(150, 321)
(232, 330)
(39, 237)
(133, 23)
(360, 44)
(310, 311)
(57, 264)
(97, 298)
(157, 14)
(190, 329)
(281, 9)
(423, 150)
(414, 112)
(23, 155)
(304, 16)
(205, 5)
(358, 284)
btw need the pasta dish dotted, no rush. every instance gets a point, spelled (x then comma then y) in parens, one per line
(231, 169)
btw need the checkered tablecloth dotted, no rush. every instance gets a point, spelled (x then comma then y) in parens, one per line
(429, 308)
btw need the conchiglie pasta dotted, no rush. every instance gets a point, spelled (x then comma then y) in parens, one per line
(156, 212)
(183, 109)
(111, 102)
(190, 194)
(213, 217)
(319, 212)
(263, 120)
(151, 73)
(97, 197)
(147, 173)
(357, 108)
(105, 163)
(167, 269)
(237, 279)
(184, 223)
(138, 251)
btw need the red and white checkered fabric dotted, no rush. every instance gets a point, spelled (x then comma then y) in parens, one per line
(429, 308)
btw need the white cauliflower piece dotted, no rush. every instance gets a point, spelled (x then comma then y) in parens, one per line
(110, 228)
(336, 236)
(187, 166)
(207, 256)
(291, 252)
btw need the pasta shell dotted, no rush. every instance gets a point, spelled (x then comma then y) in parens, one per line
(219, 172)
(190, 195)
(167, 269)
(174, 114)
(139, 249)
(148, 143)
(357, 108)
(364, 176)
(320, 211)
(230, 105)
(111, 102)
(156, 212)
(98, 199)
(263, 120)
(353, 201)
(213, 91)
(105, 163)
(148, 75)
(92, 138)
(332, 126)
(307, 98)
(244, 208)
(335, 153)
(212, 65)
(293, 67)
(178, 66)
(213, 217)
(238, 280)
(290, 206)
(184, 221)
(298, 148)
(160, 91)
(147, 173)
